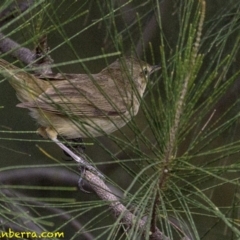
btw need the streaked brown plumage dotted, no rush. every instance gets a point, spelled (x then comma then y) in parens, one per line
(82, 105)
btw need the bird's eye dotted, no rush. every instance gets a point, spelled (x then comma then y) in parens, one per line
(145, 71)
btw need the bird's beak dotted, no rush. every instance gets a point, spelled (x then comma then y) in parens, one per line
(155, 68)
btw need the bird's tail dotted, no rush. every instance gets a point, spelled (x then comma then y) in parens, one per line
(27, 86)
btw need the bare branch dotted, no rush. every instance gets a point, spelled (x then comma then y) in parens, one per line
(118, 209)
(12, 48)
(14, 9)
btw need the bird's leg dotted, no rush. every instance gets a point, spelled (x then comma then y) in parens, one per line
(79, 148)
(52, 134)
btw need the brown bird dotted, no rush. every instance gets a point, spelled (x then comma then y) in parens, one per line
(81, 105)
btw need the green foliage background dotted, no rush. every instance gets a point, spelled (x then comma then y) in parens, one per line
(199, 195)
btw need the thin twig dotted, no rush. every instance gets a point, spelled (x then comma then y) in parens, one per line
(118, 209)
(14, 10)
(77, 158)
(40, 57)
(13, 49)
(9, 46)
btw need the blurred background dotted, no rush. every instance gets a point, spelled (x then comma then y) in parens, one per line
(200, 199)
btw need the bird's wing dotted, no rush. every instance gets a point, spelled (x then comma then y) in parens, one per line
(82, 95)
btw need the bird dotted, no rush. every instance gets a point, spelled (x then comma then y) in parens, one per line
(81, 105)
